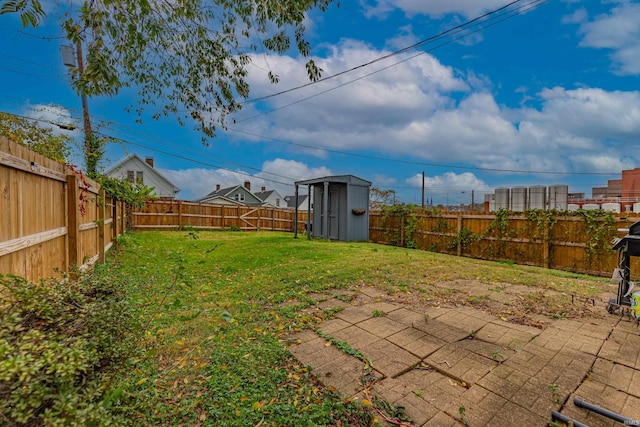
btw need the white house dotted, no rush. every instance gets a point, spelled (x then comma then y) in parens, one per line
(271, 198)
(139, 171)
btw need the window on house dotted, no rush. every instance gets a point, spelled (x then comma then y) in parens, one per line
(278, 202)
(239, 197)
(131, 176)
(139, 177)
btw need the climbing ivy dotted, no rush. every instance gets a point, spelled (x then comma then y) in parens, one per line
(500, 223)
(404, 216)
(543, 221)
(465, 238)
(599, 230)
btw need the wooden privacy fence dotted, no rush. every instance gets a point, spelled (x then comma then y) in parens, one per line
(175, 214)
(50, 219)
(564, 243)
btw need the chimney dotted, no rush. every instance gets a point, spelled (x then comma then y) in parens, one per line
(264, 189)
(247, 185)
(217, 187)
(149, 161)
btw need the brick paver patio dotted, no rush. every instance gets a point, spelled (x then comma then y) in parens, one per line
(450, 366)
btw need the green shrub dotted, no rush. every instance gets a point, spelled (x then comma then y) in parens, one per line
(58, 338)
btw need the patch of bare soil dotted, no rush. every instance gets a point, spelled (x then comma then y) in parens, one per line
(520, 304)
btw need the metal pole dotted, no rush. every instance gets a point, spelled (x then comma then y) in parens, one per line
(604, 412)
(325, 211)
(422, 189)
(295, 214)
(309, 226)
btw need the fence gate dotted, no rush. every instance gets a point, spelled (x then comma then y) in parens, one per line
(247, 219)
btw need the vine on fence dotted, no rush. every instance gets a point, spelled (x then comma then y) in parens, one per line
(600, 229)
(465, 238)
(405, 215)
(133, 195)
(544, 220)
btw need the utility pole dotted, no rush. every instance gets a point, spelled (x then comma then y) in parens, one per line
(88, 133)
(67, 52)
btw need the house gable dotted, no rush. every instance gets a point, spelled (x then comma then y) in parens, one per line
(271, 198)
(134, 169)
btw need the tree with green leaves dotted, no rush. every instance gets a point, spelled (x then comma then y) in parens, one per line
(379, 198)
(38, 138)
(186, 58)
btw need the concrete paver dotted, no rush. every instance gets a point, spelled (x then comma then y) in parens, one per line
(450, 365)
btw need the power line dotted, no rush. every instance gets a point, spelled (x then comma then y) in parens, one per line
(413, 162)
(41, 76)
(532, 5)
(364, 156)
(414, 46)
(177, 156)
(26, 61)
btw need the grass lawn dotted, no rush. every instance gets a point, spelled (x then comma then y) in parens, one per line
(218, 306)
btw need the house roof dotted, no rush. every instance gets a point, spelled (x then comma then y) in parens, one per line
(219, 193)
(226, 192)
(264, 195)
(145, 165)
(291, 200)
(344, 179)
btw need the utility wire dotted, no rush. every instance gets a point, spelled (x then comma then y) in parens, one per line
(177, 156)
(440, 35)
(412, 162)
(341, 152)
(508, 15)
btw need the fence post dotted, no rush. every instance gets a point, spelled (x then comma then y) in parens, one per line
(179, 215)
(123, 217)
(258, 220)
(402, 219)
(459, 233)
(545, 245)
(101, 201)
(73, 223)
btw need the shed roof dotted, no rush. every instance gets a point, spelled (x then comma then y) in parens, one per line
(343, 179)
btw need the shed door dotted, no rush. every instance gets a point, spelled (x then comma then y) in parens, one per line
(333, 213)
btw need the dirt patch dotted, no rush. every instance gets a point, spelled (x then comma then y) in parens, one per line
(521, 304)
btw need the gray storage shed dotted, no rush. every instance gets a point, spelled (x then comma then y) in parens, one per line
(340, 208)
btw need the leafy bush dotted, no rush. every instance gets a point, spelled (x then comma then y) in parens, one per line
(58, 339)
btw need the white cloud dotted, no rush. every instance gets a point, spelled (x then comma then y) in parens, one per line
(451, 187)
(380, 180)
(578, 16)
(433, 8)
(449, 181)
(427, 111)
(277, 174)
(619, 31)
(56, 118)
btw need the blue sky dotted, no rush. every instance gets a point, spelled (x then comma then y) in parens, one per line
(553, 91)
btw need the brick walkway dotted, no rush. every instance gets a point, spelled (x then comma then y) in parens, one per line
(447, 366)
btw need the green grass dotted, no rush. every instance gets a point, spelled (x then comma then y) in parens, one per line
(219, 308)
